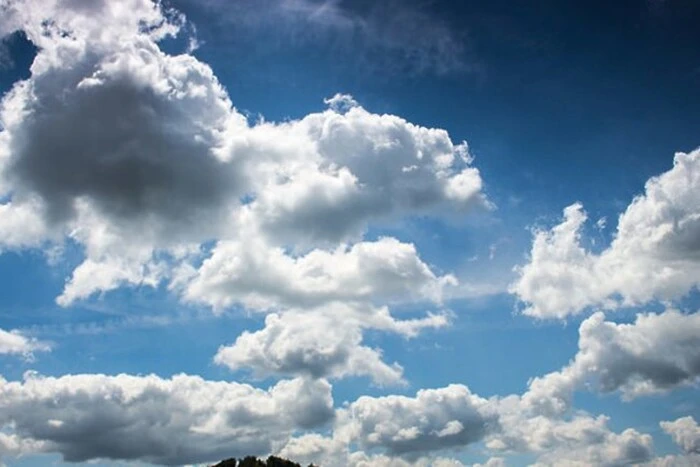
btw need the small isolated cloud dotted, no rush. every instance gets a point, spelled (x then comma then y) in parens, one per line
(655, 254)
(16, 343)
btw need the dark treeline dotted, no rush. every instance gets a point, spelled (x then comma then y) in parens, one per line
(251, 461)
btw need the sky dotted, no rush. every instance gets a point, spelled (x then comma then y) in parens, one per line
(353, 233)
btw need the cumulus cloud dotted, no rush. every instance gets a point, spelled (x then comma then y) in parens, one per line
(685, 432)
(655, 254)
(175, 421)
(325, 342)
(136, 154)
(251, 273)
(324, 300)
(656, 353)
(16, 343)
(493, 462)
(415, 431)
(610, 449)
(432, 420)
(333, 452)
(563, 438)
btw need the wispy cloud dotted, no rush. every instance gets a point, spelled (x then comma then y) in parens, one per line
(406, 37)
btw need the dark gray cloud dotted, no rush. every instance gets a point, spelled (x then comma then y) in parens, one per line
(121, 160)
(133, 151)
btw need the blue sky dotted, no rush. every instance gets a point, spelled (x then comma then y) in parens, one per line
(350, 233)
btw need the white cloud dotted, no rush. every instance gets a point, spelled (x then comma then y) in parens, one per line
(175, 421)
(16, 343)
(333, 452)
(414, 431)
(257, 276)
(492, 462)
(610, 449)
(146, 147)
(655, 254)
(687, 460)
(656, 353)
(432, 420)
(685, 432)
(325, 342)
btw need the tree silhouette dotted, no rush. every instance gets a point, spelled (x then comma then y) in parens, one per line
(251, 461)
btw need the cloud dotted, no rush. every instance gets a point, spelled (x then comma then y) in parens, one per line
(655, 254)
(251, 273)
(110, 138)
(16, 343)
(175, 421)
(407, 431)
(378, 36)
(563, 438)
(434, 419)
(333, 452)
(492, 462)
(325, 342)
(609, 449)
(685, 432)
(656, 353)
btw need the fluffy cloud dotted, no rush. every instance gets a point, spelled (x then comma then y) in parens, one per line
(654, 354)
(413, 431)
(324, 302)
(322, 343)
(14, 342)
(174, 421)
(333, 452)
(110, 139)
(655, 253)
(563, 438)
(685, 432)
(432, 420)
(253, 274)
(606, 449)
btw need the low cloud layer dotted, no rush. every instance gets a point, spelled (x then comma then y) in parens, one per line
(184, 419)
